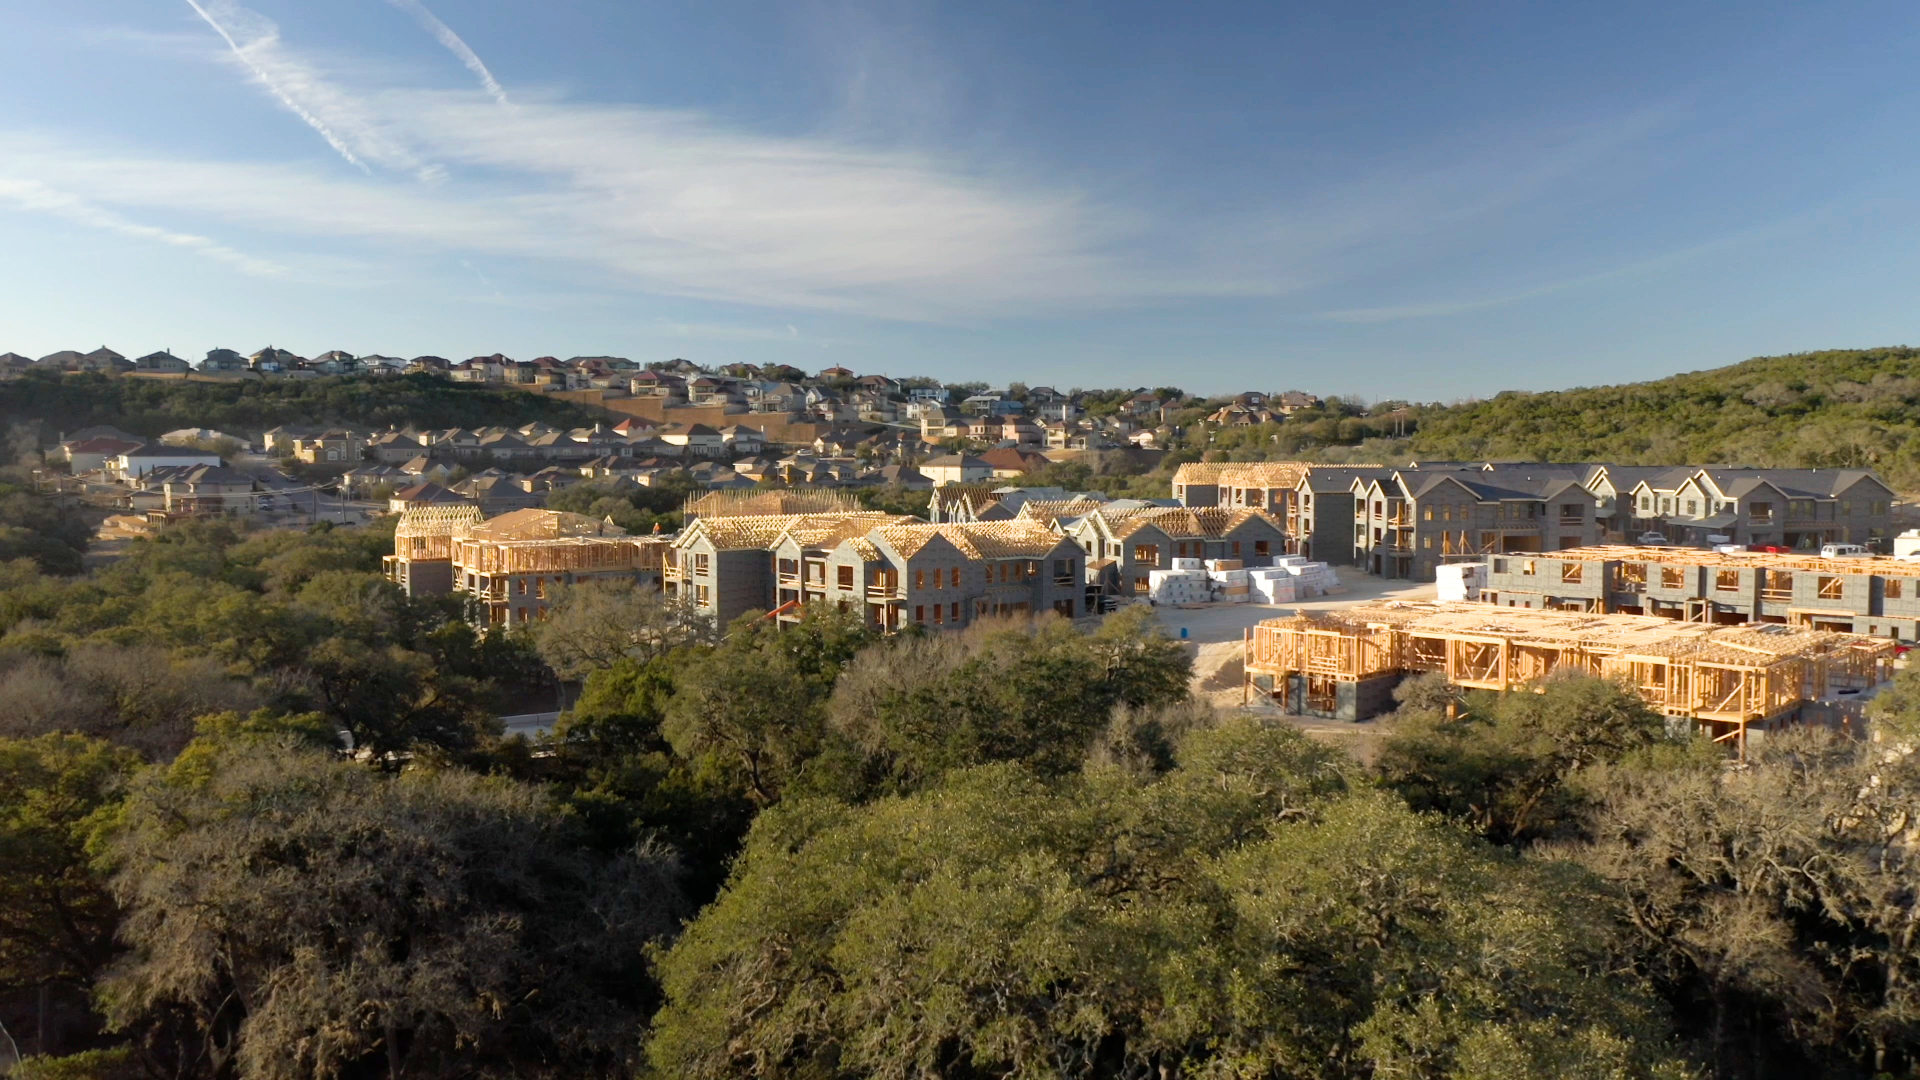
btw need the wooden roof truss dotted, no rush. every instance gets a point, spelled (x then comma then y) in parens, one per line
(1726, 676)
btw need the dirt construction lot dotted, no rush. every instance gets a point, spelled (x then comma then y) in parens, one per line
(1212, 634)
(1209, 623)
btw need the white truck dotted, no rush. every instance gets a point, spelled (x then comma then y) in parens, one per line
(1844, 551)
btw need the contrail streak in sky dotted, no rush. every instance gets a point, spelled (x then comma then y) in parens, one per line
(445, 35)
(285, 99)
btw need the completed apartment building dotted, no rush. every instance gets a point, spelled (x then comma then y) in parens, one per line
(1796, 509)
(1877, 596)
(939, 576)
(1402, 522)
(1413, 520)
(898, 570)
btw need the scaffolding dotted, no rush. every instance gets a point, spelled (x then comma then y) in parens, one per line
(1727, 678)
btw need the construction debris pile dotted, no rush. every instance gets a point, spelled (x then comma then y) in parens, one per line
(1280, 580)
(1726, 677)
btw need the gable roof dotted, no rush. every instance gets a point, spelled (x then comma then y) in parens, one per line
(1050, 511)
(1177, 522)
(827, 530)
(537, 524)
(427, 493)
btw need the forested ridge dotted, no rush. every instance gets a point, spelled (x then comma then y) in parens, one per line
(245, 407)
(1841, 408)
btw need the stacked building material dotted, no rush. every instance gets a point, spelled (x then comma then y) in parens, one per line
(1230, 582)
(1189, 564)
(1178, 586)
(1272, 585)
(1294, 579)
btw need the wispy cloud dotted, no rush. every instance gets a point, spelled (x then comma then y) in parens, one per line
(446, 37)
(1629, 269)
(670, 203)
(266, 79)
(675, 203)
(34, 196)
(354, 132)
(625, 198)
(787, 334)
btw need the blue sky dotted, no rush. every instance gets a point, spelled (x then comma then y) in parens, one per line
(1418, 200)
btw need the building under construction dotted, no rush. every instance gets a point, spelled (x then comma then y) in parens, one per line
(422, 559)
(512, 565)
(777, 502)
(1860, 595)
(1344, 664)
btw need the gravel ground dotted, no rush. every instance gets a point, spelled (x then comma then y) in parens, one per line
(1213, 636)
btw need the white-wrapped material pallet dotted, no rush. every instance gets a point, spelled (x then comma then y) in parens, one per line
(1273, 590)
(1459, 581)
(1188, 564)
(1179, 587)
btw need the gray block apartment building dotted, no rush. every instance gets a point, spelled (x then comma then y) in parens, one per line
(1313, 503)
(1877, 596)
(1797, 509)
(1413, 520)
(897, 570)
(1403, 522)
(1125, 543)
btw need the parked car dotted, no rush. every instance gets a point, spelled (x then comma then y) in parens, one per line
(1844, 551)
(1653, 539)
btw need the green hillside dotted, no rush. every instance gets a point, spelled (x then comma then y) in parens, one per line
(1841, 408)
(247, 407)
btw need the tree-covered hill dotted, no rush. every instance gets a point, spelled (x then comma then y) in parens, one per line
(1843, 408)
(156, 406)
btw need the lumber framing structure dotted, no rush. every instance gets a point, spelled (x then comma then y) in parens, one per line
(422, 559)
(510, 565)
(1727, 678)
(427, 532)
(778, 502)
(1877, 565)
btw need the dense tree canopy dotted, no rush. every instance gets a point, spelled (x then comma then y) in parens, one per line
(1843, 408)
(299, 916)
(1248, 913)
(245, 407)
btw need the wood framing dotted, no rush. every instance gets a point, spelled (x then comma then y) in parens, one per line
(1725, 677)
